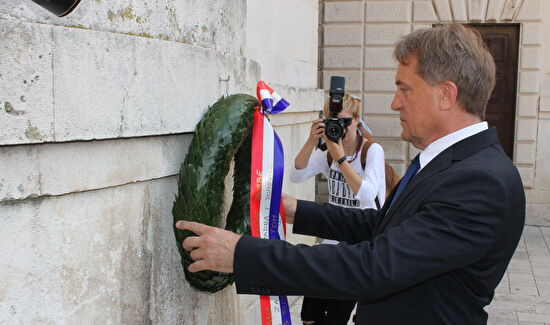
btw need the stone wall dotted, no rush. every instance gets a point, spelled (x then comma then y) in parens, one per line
(97, 111)
(358, 38)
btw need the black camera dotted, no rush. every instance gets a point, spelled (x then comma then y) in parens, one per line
(60, 8)
(336, 128)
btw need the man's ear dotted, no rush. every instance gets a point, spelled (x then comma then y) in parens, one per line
(449, 95)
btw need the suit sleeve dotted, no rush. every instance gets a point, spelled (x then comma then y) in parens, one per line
(333, 222)
(454, 226)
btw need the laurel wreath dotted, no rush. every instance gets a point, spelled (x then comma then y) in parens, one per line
(223, 134)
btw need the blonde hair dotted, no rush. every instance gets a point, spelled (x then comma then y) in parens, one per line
(351, 104)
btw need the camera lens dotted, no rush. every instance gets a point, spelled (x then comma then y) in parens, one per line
(334, 130)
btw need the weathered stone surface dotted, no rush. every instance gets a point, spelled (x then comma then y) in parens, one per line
(525, 153)
(509, 9)
(443, 9)
(494, 10)
(384, 34)
(378, 104)
(527, 105)
(210, 23)
(344, 11)
(348, 34)
(543, 155)
(388, 11)
(529, 82)
(342, 57)
(353, 79)
(379, 57)
(530, 58)
(379, 81)
(531, 10)
(20, 176)
(424, 12)
(26, 98)
(526, 130)
(287, 47)
(133, 86)
(460, 12)
(477, 10)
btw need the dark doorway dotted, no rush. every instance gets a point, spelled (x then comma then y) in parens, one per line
(503, 43)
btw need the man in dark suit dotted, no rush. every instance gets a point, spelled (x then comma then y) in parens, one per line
(440, 245)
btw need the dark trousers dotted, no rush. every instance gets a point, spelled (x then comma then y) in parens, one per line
(326, 311)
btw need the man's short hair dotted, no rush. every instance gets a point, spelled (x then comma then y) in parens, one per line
(452, 52)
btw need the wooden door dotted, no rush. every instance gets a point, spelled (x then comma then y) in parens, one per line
(503, 41)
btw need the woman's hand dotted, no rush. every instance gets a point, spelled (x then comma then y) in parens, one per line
(317, 130)
(336, 149)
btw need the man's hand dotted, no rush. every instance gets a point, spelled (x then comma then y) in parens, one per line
(212, 249)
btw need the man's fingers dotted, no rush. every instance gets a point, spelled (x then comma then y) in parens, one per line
(196, 254)
(200, 265)
(191, 242)
(197, 228)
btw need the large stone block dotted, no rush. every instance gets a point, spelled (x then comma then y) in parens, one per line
(526, 130)
(509, 9)
(530, 58)
(531, 34)
(525, 153)
(393, 149)
(388, 11)
(134, 86)
(527, 105)
(20, 175)
(529, 82)
(61, 168)
(531, 10)
(353, 79)
(527, 175)
(459, 8)
(477, 10)
(342, 57)
(379, 57)
(287, 48)
(378, 104)
(346, 35)
(379, 81)
(210, 23)
(443, 8)
(494, 9)
(27, 103)
(344, 11)
(72, 260)
(389, 126)
(385, 34)
(542, 181)
(424, 12)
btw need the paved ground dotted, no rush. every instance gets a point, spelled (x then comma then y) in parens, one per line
(523, 296)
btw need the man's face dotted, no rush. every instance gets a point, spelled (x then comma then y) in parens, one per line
(417, 104)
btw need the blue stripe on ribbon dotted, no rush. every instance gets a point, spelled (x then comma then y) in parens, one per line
(285, 311)
(276, 187)
(279, 106)
(267, 104)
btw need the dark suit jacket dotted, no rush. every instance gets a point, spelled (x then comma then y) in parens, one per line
(434, 257)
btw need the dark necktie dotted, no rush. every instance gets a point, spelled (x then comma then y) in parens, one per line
(411, 171)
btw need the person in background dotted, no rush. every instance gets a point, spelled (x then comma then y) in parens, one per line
(358, 181)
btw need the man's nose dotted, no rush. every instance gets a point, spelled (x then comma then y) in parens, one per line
(396, 103)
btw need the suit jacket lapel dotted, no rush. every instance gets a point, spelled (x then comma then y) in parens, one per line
(444, 160)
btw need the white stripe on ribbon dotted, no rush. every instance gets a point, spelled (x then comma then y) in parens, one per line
(276, 318)
(267, 178)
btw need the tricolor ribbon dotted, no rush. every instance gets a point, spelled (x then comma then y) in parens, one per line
(267, 218)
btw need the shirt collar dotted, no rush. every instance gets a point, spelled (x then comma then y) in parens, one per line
(436, 147)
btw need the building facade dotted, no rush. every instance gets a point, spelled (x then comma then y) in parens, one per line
(357, 42)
